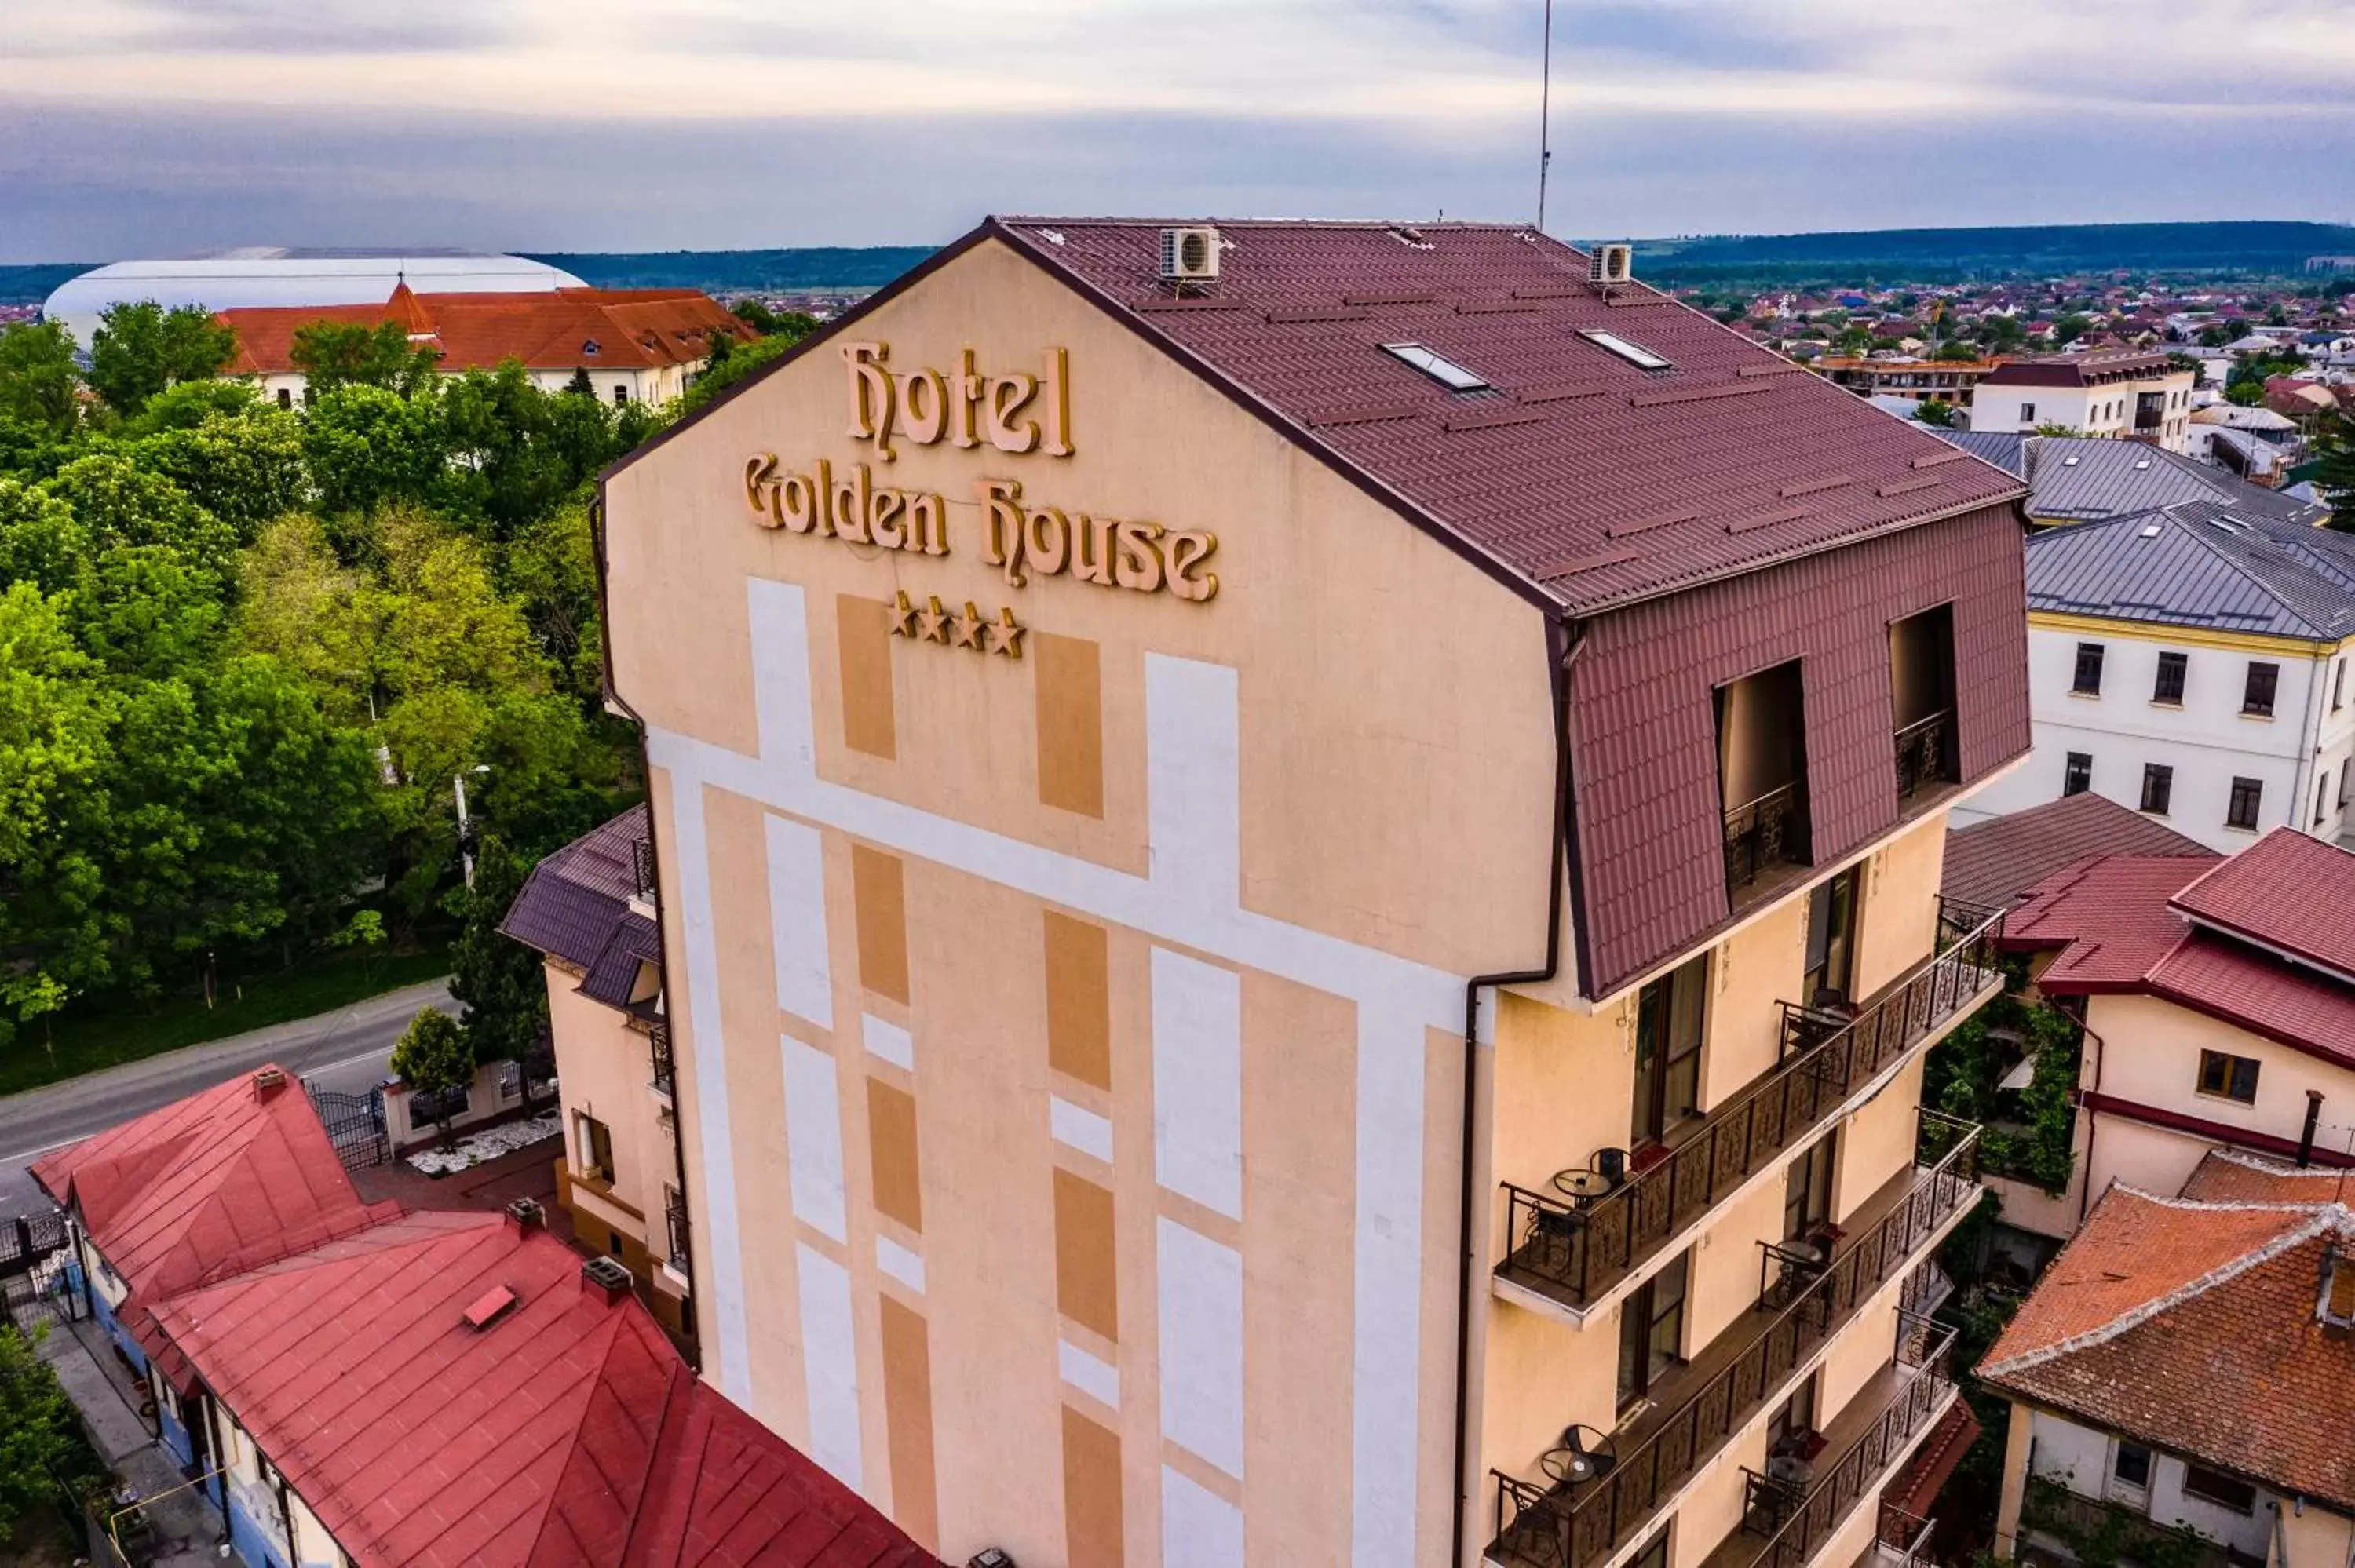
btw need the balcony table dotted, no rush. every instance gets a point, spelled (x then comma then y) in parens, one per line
(1582, 1187)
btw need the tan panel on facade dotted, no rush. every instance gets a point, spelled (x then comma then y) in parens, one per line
(1079, 1000)
(1086, 1288)
(1070, 723)
(878, 885)
(908, 1411)
(1091, 1493)
(862, 629)
(891, 1150)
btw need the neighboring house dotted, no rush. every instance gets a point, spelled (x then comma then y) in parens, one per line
(2185, 1364)
(2111, 393)
(2258, 444)
(2075, 479)
(1914, 380)
(2191, 661)
(634, 346)
(589, 908)
(363, 1386)
(1999, 861)
(1418, 670)
(2218, 997)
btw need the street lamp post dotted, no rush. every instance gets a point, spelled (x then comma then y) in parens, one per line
(465, 847)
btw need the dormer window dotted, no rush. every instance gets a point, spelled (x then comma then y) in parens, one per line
(2335, 1305)
(1634, 353)
(588, 345)
(1446, 372)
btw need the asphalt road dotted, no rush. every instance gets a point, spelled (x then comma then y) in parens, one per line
(346, 1050)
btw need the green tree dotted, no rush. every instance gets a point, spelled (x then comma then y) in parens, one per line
(2071, 327)
(1934, 411)
(740, 364)
(244, 467)
(41, 540)
(432, 1057)
(580, 386)
(2336, 480)
(120, 502)
(498, 979)
(794, 325)
(2246, 394)
(38, 378)
(332, 355)
(367, 447)
(40, 1437)
(144, 348)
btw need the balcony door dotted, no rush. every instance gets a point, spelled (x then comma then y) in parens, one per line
(1830, 978)
(1652, 1329)
(1667, 1050)
(1807, 1190)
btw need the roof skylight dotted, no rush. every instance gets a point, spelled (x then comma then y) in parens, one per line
(1634, 353)
(1446, 372)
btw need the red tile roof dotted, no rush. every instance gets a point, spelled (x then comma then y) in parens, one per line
(1601, 481)
(1996, 862)
(2227, 1175)
(2190, 1326)
(560, 329)
(2288, 892)
(2121, 924)
(170, 1198)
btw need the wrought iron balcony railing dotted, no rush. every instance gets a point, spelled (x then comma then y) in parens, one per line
(1922, 1388)
(642, 867)
(1767, 831)
(1808, 1299)
(674, 1214)
(658, 1048)
(1924, 753)
(1575, 1253)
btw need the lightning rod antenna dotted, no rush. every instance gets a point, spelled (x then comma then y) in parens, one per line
(1545, 114)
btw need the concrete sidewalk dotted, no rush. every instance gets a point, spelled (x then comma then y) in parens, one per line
(188, 1529)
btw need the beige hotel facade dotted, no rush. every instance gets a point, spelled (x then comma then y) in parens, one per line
(1297, 873)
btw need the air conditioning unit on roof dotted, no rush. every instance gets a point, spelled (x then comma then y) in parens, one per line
(1611, 264)
(1189, 255)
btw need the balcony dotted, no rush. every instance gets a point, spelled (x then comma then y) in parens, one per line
(1804, 1300)
(1872, 1437)
(1900, 1539)
(1925, 758)
(2081, 1522)
(1762, 782)
(659, 1048)
(642, 867)
(1764, 835)
(1573, 1254)
(675, 1257)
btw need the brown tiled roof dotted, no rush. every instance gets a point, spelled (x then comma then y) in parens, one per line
(2229, 1176)
(575, 897)
(2108, 915)
(560, 329)
(2190, 1326)
(1598, 480)
(2288, 890)
(1997, 860)
(2094, 369)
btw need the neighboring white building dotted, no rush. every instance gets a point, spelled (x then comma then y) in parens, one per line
(2130, 393)
(265, 275)
(2191, 662)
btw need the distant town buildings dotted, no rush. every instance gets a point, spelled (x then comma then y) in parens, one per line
(2112, 393)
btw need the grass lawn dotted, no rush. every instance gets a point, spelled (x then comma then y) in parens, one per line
(109, 1035)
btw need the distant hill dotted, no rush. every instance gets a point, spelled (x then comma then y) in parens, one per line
(730, 271)
(31, 285)
(1931, 255)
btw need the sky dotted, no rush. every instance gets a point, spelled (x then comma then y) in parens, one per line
(156, 127)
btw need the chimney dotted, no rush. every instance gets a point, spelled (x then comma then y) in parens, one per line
(269, 1081)
(2306, 1137)
(606, 1274)
(526, 1214)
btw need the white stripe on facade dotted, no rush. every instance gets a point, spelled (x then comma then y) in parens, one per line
(1198, 1081)
(814, 1136)
(1175, 904)
(1200, 1286)
(906, 1266)
(888, 1041)
(1079, 1127)
(1199, 1529)
(1193, 781)
(1097, 1378)
(797, 920)
(829, 1363)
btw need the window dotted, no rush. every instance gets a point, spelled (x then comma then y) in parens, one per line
(2028, 413)
(592, 1151)
(1446, 372)
(2242, 812)
(1795, 1419)
(2131, 1466)
(286, 396)
(2089, 670)
(1667, 1049)
(2337, 686)
(1807, 1192)
(2232, 1077)
(1655, 1553)
(2157, 788)
(1832, 938)
(1633, 354)
(2169, 687)
(1652, 1329)
(2258, 699)
(621, 394)
(2224, 1492)
(2322, 799)
(2078, 776)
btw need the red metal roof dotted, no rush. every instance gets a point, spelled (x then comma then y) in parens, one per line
(171, 1197)
(1999, 861)
(2287, 891)
(552, 330)
(1600, 480)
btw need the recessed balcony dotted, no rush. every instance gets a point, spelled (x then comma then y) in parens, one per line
(1569, 1255)
(1807, 1297)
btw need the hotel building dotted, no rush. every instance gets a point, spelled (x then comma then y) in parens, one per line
(1297, 868)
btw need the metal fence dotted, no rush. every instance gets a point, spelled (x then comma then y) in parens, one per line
(354, 1125)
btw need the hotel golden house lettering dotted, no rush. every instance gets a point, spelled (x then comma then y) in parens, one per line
(1016, 413)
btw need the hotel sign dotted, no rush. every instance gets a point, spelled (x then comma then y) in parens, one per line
(1016, 412)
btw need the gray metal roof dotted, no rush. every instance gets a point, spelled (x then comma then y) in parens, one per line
(2087, 478)
(2008, 449)
(2202, 565)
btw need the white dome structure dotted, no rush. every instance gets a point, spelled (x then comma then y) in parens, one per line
(276, 275)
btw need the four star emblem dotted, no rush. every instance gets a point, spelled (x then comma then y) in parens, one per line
(934, 623)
